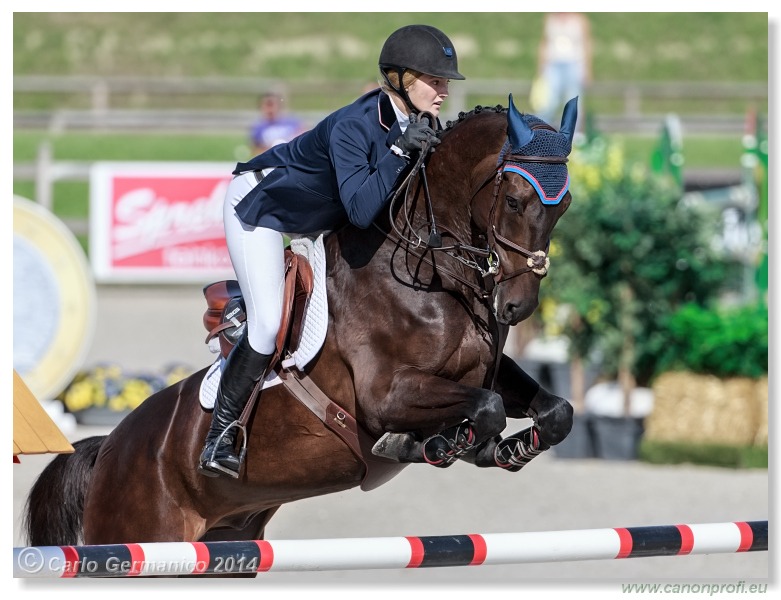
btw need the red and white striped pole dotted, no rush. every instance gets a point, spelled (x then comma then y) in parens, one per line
(215, 558)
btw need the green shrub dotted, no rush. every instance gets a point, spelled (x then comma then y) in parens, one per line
(726, 342)
(626, 255)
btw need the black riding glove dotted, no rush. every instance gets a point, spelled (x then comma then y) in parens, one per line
(413, 137)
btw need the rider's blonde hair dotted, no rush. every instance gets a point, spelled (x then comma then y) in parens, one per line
(409, 78)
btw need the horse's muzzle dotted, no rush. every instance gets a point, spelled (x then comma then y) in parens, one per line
(513, 310)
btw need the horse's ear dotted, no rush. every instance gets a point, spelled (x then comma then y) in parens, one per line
(518, 132)
(569, 117)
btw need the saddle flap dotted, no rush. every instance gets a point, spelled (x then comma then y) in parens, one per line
(299, 283)
(224, 311)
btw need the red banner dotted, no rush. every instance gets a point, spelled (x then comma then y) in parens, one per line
(158, 222)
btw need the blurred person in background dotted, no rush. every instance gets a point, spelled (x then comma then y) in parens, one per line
(274, 126)
(564, 64)
(342, 171)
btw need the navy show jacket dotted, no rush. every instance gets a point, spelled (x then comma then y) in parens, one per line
(341, 170)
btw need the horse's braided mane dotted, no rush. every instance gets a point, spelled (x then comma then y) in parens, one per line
(477, 109)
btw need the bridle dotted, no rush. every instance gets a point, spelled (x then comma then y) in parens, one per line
(483, 260)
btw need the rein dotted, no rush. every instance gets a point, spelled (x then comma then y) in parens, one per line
(536, 261)
(435, 235)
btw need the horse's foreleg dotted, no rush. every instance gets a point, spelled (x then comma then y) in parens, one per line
(511, 453)
(434, 420)
(524, 397)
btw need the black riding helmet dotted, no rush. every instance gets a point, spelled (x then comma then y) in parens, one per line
(421, 48)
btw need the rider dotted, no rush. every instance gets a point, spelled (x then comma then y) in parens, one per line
(343, 170)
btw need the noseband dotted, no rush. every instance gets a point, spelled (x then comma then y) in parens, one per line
(472, 256)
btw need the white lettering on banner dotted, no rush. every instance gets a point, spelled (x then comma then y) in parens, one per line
(146, 222)
(200, 257)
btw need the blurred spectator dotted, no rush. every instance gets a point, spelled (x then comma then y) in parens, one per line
(274, 126)
(564, 64)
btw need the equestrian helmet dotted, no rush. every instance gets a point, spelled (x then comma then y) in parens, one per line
(421, 48)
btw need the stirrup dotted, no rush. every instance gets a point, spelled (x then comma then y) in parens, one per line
(210, 466)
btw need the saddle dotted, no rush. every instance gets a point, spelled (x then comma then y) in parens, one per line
(225, 319)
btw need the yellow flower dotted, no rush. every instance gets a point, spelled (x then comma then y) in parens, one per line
(79, 396)
(134, 392)
(176, 375)
(614, 163)
(638, 174)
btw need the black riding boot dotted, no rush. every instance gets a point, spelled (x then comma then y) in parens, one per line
(243, 370)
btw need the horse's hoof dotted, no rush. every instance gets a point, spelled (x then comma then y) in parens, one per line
(514, 452)
(393, 446)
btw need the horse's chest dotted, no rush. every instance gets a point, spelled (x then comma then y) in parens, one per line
(468, 359)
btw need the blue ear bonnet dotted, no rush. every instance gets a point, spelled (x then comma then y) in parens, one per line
(527, 139)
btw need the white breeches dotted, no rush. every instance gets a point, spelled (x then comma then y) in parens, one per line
(257, 254)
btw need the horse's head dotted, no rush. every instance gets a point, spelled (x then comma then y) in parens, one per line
(501, 230)
(530, 193)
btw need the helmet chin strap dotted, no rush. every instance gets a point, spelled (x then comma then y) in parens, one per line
(400, 89)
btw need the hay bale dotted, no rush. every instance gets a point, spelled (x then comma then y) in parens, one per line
(761, 400)
(689, 407)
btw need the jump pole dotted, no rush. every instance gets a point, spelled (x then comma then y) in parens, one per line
(215, 558)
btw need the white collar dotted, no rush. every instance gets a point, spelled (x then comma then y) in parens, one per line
(402, 118)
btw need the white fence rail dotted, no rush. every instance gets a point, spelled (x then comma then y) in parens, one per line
(106, 98)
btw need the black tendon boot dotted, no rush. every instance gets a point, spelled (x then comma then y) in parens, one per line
(243, 370)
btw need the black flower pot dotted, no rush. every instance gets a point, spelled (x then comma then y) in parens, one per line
(616, 438)
(97, 416)
(579, 443)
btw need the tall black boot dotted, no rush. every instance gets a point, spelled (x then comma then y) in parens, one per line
(243, 370)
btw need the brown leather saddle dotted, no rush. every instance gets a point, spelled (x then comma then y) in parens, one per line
(225, 318)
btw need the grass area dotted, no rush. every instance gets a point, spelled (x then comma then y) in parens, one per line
(128, 146)
(736, 457)
(629, 46)
(341, 49)
(701, 151)
(713, 151)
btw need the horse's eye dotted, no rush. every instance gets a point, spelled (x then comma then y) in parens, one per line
(512, 203)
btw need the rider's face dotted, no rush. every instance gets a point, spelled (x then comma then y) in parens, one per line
(428, 92)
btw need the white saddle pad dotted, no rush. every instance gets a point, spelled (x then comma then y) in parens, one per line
(313, 328)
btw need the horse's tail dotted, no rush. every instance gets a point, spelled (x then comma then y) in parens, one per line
(55, 506)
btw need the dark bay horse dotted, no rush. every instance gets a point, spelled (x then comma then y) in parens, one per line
(419, 309)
